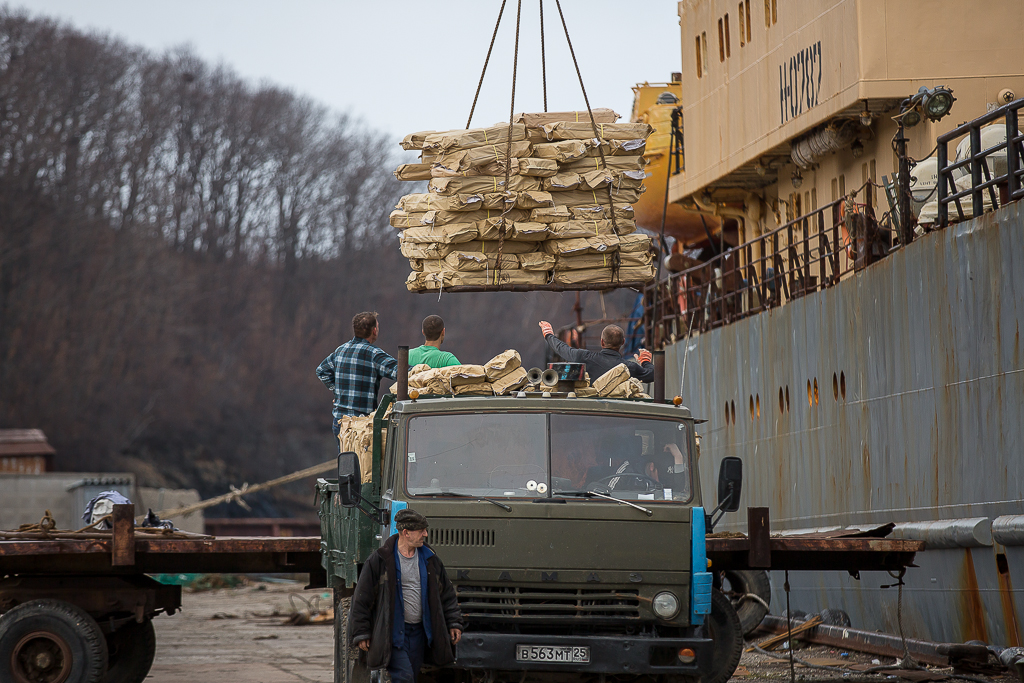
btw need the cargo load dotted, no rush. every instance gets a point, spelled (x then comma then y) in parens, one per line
(555, 202)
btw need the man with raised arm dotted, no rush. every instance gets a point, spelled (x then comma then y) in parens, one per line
(600, 362)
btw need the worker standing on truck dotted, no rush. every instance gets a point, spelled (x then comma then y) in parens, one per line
(431, 353)
(353, 372)
(600, 362)
(404, 606)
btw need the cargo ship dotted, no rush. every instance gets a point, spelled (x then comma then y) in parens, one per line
(845, 290)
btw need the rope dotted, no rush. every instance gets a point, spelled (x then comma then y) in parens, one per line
(508, 149)
(486, 60)
(236, 493)
(593, 123)
(543, 65)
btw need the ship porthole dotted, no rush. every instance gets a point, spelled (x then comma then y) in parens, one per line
(835, 386)
(782, 401)
(726, 412)
(757, 403)
(810, 396)
(787, 398)
(842, 384)
(732, 408)
(815, 391)
(751, 407)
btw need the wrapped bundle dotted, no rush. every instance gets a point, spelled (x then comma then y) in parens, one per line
(415, 140)
(634, 243)
(453, 233)
(478, 389)
(538, 168)
(537, 260)
(612, 163)
(578, 228)
(601, 115)
(589, 212)
(430, 250)
(474, 137)
(593, 197)
(435, 281)
(619, 180)
(599, 275)
(572, 130)
(562, 181)
(467, 261)
(483, 184)
(611, 379)
(405, 219)
(413, 172)
(583, 245)
(356, 435)
(502, 364)
(421, 203)
(491, 247)
(465, 160)
(584, 261)
(553, 214)
(510, 382)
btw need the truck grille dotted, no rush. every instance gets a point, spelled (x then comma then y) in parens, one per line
(464, 538)
(521, 603)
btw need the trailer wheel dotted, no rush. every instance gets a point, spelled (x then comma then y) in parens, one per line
(750, 592)
(51, 641)
(131, 649)
(356, 670)
(724, 630)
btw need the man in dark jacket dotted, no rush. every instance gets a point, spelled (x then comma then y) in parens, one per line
(404, 606)
(600, 362)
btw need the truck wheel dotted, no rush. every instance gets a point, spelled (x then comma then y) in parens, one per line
(724, 629)
(356, 670)
(750, 592)
(51, 641)
(130, 652)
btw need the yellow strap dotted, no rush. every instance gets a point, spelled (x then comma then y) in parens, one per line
(602, 130)
(593, 192)
(485, 135)
(577, 117)
(597, 164)
(494, 179)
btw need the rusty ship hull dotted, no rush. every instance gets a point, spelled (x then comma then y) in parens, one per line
(896, 395)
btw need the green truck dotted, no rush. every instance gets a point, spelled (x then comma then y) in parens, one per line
(572, 528)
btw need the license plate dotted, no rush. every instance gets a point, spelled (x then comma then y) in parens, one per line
(549, 653)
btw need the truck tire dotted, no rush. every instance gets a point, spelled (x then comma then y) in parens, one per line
(130, 651)
(724, 630)
(356, 670)
(51, 640)
(744, 585)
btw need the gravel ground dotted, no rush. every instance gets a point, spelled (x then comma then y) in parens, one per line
(239, 634)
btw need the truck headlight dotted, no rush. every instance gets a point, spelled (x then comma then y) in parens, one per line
(665, 605)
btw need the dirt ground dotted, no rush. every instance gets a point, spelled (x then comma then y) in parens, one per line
(239, 634)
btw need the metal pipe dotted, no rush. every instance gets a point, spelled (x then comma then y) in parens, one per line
(659, 376)
(403, 373)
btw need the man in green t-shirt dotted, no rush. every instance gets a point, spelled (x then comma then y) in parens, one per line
(431, 353)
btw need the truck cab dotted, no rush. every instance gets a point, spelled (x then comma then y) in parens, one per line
(573, 529)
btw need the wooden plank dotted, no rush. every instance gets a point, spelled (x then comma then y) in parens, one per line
(759, 554)
(122, 547)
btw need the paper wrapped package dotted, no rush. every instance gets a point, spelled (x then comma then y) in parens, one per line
(635, 242)
(562, 181)
(562, 152)
(601, 115)
(599, 275)
(533, 199)
(491, 247)
(589, 197)
(474, 137)
(537, 260)
(586, 392)
(415, 140)
(611, 379)
(435, 281)
(538, 168)
(571, 130)
(520, 231)
(611, 163)
(483, 184)
(460, 203)
(553, 214)
(413, 172)
(502, 364)
(468, 261)
(584, 261)
(570, 229)
(494, 168)
(589, 212)
(458, 375)
(467, 159)
(510, 382)
(478, 389)
(453, 233)
(583, 245)
(356, 435)
(620, 180)
(405, 219)
(431, 250)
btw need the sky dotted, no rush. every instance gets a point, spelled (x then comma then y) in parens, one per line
(406, 65)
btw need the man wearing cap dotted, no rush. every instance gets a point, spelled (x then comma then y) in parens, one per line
(404, 606)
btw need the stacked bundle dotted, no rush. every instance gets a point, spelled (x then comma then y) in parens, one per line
(357, 435)
(567, 217)
(617, 383)
(500, 375)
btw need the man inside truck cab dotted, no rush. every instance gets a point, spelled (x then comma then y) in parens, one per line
(353, 372)
(404, 609)
(600, 362)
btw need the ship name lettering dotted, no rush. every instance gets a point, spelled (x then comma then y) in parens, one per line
(799, 83)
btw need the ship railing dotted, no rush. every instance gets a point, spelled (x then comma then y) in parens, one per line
(1000, 189)
(805, 255)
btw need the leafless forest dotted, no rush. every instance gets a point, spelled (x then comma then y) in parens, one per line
(179, 249)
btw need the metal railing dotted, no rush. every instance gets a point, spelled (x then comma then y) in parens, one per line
(807, 254)
(1002, 188)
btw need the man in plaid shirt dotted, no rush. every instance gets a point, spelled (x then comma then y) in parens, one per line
(353, 372)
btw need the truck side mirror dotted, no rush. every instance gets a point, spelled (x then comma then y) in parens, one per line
(349, 479)
(730, 483)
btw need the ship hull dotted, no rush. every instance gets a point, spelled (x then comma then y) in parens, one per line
(897, 395)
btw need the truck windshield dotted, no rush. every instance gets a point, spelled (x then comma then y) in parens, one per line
(511, 455)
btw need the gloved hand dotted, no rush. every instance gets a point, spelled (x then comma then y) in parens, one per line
(644, 356)
(545, 328)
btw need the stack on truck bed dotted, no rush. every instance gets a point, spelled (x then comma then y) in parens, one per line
(563, 219)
